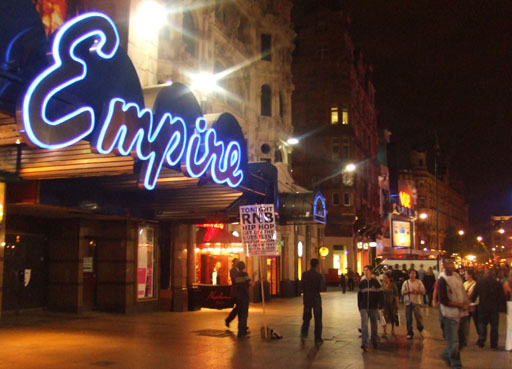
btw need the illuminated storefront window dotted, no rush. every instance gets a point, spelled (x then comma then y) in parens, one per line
(344, 116)
(146, 262)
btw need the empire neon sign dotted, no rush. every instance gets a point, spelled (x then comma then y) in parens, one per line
(123, 127)
(405, 199)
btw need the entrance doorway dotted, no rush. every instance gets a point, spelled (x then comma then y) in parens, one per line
(25, 272)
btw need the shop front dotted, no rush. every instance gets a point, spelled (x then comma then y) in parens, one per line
(102, 193)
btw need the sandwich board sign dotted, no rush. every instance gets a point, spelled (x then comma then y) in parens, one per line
(258, 225)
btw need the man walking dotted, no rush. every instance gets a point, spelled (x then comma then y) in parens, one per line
(311, 286)
(242, 292)
(454, 305)
(492, 298)
(370, 299)
(413, 291)
(350, 276)
(232, 274)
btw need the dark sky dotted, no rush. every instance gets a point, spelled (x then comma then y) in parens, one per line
(446, 66)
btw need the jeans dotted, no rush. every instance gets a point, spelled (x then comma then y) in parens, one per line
(373, 314)
(451, 335)
(409, 309)
(464, 331)
(316, 306)
(485, 318)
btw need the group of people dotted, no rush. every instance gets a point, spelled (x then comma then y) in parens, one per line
(461, 295)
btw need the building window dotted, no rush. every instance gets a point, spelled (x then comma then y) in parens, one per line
(335, 198)
(346, 199)
(266, 45)
(334, 115)
(266, 106)
(146, 262)
(344, 115)
(335, 145)
(346, 148)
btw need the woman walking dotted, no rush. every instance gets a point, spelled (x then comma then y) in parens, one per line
(391, 300)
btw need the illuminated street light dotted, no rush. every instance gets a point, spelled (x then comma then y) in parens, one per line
(471, 257)
(292, 141)
(205, 82)
(501, 230)
(461, 232)
(479, 238)
(350, 167)
(150, 17)
(423, 216)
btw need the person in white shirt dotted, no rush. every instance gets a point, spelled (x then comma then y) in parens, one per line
(413, 291)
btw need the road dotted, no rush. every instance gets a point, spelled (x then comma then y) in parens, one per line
(200, 340)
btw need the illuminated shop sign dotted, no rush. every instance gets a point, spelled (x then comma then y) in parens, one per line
(154, 138)
(211, 225)
(401, 233)
(319, 209)
(405, 199)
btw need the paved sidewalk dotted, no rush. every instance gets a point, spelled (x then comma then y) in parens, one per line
(200, 340)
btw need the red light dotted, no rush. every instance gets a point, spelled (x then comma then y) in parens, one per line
(211, 225)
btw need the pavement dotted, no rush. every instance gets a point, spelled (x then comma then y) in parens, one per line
(199, 339)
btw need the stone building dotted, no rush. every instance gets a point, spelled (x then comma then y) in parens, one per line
(334, 116)
(443, 197)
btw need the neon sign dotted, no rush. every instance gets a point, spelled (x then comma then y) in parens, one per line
(123, 127)
(319, 209)
(405, 199)
(211, 225)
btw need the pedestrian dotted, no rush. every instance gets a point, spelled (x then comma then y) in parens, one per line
(469, 286)
(396, 275)
(311, 283)
(428, 281)
(390, 292)
(421, 276)
(369, 300)
(454, 304)
(507, 288)
(343, 283)
(350, 276)
(413, 291)
(242, 281)
(491, 302)
(232, 274)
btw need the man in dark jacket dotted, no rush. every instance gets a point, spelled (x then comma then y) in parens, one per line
(370, 299)
(311, 286)
(492, 299)
(232, 274)
(242, 281)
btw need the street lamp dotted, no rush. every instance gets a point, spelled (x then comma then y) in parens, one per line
(501, 231)
(292, 141)
(479, 238)
(461, 232)
(350, 167)
(423, 216)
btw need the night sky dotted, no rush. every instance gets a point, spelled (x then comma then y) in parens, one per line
(446, 66)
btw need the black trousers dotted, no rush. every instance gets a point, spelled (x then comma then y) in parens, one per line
(485, 318)
(243, 314)
(233, 313)
(316, 306)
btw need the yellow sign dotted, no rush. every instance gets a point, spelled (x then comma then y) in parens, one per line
(405, 199)
(324, 251)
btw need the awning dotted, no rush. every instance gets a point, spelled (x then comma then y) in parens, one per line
(305, 207)
(211, 235)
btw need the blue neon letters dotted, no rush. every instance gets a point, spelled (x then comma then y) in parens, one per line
(124, 128)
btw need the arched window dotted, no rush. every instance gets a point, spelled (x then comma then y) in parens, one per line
(189, 33)
(266, 104)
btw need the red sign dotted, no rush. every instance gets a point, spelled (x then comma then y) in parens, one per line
(405, 199)
(211, 225)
